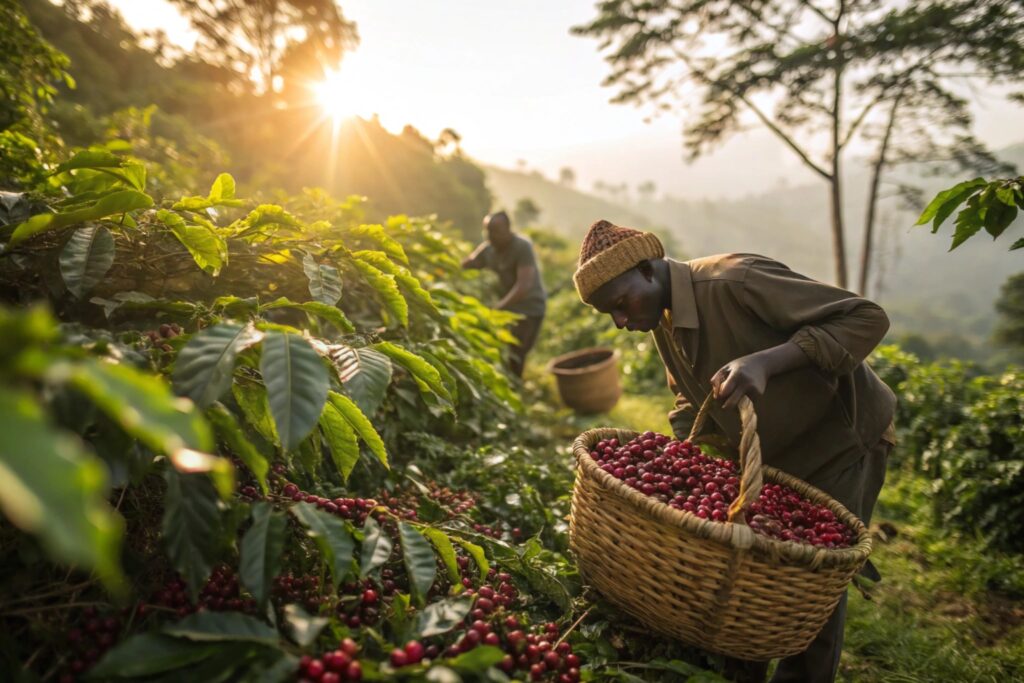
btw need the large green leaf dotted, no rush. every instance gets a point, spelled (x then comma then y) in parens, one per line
(445, 550)
(86, 258)
(376, 547)
(332, 537)
(121, 201)
(208, 249)
(303, 627)
(229, 431)
(940, 208)
(220, 626)
(91, 158)
(297, 384)
(380, 261)
(142, 405)
(146, 654)
(192, 527)
(50, 487)
(387, 287)
(424, 372)
(387, 244)
(442, 616)
(205, 365)
(261, 550)
(350, 411)
(478, 555)
(365, 374)
(419, 560)
(252, 399)
(324, 281)
(341, 440)
(478, 660)
(331, 314)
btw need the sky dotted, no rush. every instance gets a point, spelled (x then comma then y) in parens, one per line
(511, 80)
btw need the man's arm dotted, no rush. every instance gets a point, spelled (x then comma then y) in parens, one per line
(524, 273)
(829, 327)
(476, 259)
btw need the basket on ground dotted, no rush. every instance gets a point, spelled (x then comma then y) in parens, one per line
(716, 585)
(588, 379)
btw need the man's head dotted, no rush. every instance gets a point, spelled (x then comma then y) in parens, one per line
(617, 275)
(499, 229)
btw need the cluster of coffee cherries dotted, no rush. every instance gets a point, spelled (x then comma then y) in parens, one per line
(355, 509)
(536, 652)
(360, 602)
(159, 336)
(679, 475)
(497, 591)
(303, 589)
(94, 635)
(336, 666)
(782, 513)
(405, 502)
(220, 593)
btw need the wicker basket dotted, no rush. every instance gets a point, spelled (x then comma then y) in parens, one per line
(715, 585)
(588, 380)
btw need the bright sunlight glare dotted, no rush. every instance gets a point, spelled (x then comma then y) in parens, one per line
(335, 95)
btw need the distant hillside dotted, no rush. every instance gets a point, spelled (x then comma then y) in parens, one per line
(925, 288)
(569, 211)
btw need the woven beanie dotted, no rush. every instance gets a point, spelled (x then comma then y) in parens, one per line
(609, 251)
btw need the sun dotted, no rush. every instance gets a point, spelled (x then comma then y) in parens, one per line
(335, 95)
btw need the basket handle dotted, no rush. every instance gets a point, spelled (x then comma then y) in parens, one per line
(750, 455)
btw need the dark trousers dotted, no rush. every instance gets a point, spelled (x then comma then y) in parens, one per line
(526, 331)
(857, 488)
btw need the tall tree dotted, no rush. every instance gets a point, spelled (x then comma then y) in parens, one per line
(526, 212)
(818, 74)
(567, 176)
(252, 37)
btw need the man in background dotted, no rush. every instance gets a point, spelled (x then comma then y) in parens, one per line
(511, 256)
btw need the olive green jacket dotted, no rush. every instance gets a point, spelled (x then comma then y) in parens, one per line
(814, 421)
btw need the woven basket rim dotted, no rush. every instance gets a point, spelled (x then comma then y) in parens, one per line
(613, 357)
(790, 551)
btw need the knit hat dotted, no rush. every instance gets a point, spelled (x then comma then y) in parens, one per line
(609, 251)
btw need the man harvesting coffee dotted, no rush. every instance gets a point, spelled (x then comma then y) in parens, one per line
(511, 256)
(739, 325)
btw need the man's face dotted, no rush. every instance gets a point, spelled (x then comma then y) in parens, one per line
(499, 232)
(632, 299)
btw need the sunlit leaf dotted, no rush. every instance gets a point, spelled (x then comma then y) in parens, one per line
(365, 374)
(361, 424)
(324, 281)
(341, 440)
(385, 285)
(86, 258)
(419, 560)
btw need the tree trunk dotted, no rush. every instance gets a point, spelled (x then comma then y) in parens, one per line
(876, 179)
(838, 240)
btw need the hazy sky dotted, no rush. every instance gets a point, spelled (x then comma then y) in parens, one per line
(510, 79)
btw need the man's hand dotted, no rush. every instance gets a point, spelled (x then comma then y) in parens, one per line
(746, 376)
(749, 375)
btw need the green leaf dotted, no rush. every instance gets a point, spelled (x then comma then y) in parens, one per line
(365, 374)
(142, 405)
(387, 287)
(350, 411)
(376, 548)
(945, 202)
(261, 551)
(303, 627)
(324, 281)
(417, 367)
(51, 487)
(332, 537)
(442, 616)
(86, 258)
(192, 527)
(121, 201)
(478, 555)
(331, 314)
(223, 188)
(998, 218)
(968, 223)
(252, 399)
(1019, 244)
(209, 626)
(205, 365)
(297, 384)
(419, 560)
(380, 261)
(387, 244)
(226, 426)
(91, 158)
(147, 654)
(478, 660)
(445, 550)
(341, 440)
(208, 249)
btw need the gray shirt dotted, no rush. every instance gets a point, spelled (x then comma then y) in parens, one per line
(505, 263)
